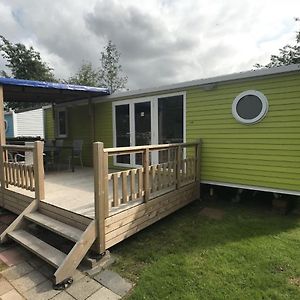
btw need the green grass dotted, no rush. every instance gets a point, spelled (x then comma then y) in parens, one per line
(250, 254)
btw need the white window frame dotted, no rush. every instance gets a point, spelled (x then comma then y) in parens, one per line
(154, 123)
(264, 109)
(58, 134)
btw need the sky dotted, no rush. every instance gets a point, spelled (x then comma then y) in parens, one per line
(160, 41)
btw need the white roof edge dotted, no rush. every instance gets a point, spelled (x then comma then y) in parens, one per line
(211, 80)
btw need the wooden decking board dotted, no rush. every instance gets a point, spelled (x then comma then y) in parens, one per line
(45, 251)
(58, 227)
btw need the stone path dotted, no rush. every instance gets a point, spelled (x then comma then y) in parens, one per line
(28, 277)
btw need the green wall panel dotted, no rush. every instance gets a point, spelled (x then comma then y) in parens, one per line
(49, 124)
(264, 154)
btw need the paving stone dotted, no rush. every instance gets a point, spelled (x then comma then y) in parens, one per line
(83, 288)
(64, 296)
(5, 246)
(28, 281)
(43, 291)
(36, 262)
(104, 294)
(17, 271)
(47, 270)
(114, 282)
(11, 257)
(5, 286)
(77, 275)
(12, 295)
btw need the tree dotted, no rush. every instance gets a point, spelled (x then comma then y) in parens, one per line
(110, 74)
(23, 63)
(86, 75)
(287, 55)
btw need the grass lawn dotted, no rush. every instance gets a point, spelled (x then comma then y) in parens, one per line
(251, 253)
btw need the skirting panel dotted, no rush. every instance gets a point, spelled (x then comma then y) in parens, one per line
(124, 224)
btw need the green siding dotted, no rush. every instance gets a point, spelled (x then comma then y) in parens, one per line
(103, 124)
(264, 154)
(49, 124)
(79, 127)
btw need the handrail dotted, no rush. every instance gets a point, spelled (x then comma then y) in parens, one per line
(18, 147)
(140, 149)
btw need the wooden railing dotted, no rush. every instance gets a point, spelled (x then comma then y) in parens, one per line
(27, 174)
(114, 191)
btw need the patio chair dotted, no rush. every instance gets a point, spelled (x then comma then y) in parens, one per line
(77, 152)
(57, 152)
(27, 158)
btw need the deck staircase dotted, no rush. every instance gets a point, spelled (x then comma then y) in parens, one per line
(65, 263)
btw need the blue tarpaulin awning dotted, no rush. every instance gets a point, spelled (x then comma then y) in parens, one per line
(20, 90)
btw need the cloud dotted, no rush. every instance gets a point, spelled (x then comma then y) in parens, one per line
(161, 41)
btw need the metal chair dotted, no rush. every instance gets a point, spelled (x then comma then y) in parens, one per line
(77, 152)
(27, 158)
(57, 153)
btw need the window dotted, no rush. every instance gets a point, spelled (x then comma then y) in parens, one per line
(250, 107)
(62, 122)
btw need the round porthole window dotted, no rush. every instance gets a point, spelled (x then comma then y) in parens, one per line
(250, 107)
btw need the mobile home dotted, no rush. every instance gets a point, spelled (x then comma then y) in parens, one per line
(249, 123)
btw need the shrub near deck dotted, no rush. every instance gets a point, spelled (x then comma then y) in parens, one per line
(248, 254)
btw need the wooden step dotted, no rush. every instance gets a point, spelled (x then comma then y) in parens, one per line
(58, 227)
(45, 251)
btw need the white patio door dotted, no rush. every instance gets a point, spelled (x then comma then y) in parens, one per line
(155, 120)
(134, 126)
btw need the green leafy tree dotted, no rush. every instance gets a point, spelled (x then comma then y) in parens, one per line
(289, 54)
(86, 75)
(23, 63)
(111, 73)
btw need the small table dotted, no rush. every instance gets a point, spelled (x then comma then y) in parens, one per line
(58, 149)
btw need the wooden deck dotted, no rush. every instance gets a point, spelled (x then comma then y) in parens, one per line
(96, 208)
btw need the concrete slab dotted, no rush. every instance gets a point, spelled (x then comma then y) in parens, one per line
(28, 281)
(11, 257)
(83, 288)
(43, 291)
(17, 271)
(63, 296)
(12, 295)
(104, 294)
(5, 286)
(114, 282)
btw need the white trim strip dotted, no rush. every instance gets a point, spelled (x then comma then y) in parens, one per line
(251, 187)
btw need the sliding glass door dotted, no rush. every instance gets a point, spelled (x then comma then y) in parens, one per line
(155, 120)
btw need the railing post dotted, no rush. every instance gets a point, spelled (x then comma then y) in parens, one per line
(146, 173)
(178, 166)
(2, 139)
(38, 165)
(99, 194)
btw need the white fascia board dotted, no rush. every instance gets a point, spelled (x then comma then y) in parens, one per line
(201, 82)
(187, 84)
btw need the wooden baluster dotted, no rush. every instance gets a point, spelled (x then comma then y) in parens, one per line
(140, 182)
(132, 184)
(124, 187)
(116, 200)
(146, 174)
(178, 166)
